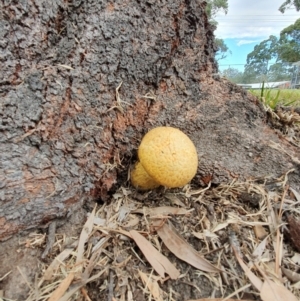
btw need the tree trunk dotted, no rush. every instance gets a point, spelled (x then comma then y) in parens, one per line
(83, 81)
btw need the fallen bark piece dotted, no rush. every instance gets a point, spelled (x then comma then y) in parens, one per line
(159, 262)
(294, 227)
(181, 249)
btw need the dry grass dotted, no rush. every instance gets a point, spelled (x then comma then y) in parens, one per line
(234, 235)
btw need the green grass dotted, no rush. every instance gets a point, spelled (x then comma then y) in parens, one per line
(274, 97)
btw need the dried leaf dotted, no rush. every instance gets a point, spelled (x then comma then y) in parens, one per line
(99, 221)
(293, 276)
(165, 210)
(174, 199)
(129, 294)
(272, 291)
(159, 262)
(60, 292)
(62, 288)
(204, 234)
(296, 285)
(206, 223)
(269, 267)
(121, 231)
(218, 299)
(131, 221)
(257, 253)
(269, 290)
(181, 249)
(124, 211)
(296, 258)
(272, 219)
(93, 260)
(253, 278)
(260, 231)
(235, 219)
(152, 285)
(49, 273)
(278, 253)
(296, 194)
(220, 226)
(77, 286)
(84, 235)
(65, 66)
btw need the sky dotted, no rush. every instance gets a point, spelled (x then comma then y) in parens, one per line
(248, 23)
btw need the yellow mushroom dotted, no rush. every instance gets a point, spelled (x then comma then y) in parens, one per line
(167, 157)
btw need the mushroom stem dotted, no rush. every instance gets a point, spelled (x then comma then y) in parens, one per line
(140, 178)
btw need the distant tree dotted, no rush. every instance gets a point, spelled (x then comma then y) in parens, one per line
(214, 6)
(233, 74)
(279, 71)
(251, 75)
(258, 60)
(283, 51)
(222, 49)
(290, 4)
(289, 43)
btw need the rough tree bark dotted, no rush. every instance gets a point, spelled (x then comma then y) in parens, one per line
(68, 133)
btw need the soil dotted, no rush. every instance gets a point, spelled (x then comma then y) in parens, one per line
(16, 254)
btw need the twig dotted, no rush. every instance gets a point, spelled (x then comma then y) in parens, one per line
(4, 276)
(110, 286)
(237, 291)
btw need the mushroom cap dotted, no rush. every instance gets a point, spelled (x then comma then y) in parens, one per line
(168, 156)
